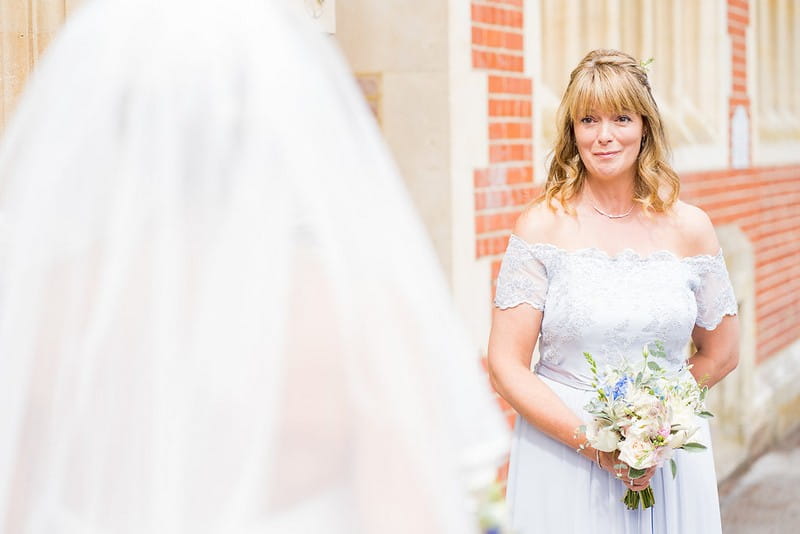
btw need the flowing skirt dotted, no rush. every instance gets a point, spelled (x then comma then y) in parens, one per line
(554, 490)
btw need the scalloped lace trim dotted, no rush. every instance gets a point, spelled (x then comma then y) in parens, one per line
(513, 303)
(712, 325)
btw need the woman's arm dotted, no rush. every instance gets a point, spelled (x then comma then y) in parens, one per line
(717, 351)
(511, 343)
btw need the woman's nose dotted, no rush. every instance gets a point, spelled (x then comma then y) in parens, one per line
(605, 135)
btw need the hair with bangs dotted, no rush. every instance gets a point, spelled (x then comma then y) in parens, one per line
(611, 81)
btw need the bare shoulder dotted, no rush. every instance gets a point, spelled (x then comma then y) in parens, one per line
(697, 233)
(538, 223)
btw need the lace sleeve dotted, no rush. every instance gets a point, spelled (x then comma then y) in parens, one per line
(523, 277)
(713, 292)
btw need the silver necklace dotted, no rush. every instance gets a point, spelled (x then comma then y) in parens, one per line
(612, 216)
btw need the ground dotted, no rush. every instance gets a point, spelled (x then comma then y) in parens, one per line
(765, 497)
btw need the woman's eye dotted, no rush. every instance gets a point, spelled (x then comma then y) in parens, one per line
(586, 120)
(624, 118)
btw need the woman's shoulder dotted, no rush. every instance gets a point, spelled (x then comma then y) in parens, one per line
(539, 223)
(695, 230)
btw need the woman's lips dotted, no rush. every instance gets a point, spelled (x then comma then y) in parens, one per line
(606, 155)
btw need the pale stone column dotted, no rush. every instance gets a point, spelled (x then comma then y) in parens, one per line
(432, 106)
(26, 29)
(405, 45)
(732, 427)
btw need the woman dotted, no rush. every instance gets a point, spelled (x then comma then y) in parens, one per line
(606, 261)
(204, 326)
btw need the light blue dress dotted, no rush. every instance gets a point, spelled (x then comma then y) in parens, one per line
(610, 306)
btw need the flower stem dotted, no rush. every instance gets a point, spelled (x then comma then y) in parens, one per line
(634, 499)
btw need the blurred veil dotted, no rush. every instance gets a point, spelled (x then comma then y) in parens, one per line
(218, 311)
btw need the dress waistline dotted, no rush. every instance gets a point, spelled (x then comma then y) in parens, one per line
(563, 376)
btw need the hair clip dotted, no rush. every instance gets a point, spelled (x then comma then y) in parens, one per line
(645, 64)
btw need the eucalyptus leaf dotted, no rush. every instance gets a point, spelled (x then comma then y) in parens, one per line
(674, 467)
(694, 446)
(636, 473)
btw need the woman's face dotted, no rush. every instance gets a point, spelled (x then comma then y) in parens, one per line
(609, 143)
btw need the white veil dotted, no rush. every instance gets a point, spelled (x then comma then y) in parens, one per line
(218, 312)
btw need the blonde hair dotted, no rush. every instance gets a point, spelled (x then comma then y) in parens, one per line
(612, 81)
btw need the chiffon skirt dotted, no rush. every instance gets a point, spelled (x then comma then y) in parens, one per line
(554, 490)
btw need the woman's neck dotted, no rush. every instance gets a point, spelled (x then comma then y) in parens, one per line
(609, 196)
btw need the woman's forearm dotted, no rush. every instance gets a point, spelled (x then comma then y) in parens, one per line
(538, 404)
(708, 370)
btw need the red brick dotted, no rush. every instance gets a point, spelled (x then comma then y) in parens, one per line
(740, 4)
(511, 85)
(789, 225)
(739, 72)
(510, 152)
(776, 327)
(495, 269)
(497, 38)
(767, 346)
(503, 198)
(497, 16)
(509, 108)
(773, 255)
(510, 130)
(769, 269)
(752, 225)
(736, 28)
(737, 18)
(773, 301)
(517, 3)
(482, 59)
(498, 175)
(491, 246)
(496, 221)
(779, 281)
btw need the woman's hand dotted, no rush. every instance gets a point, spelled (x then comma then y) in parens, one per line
(610, 462)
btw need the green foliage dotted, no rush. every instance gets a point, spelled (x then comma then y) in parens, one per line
(694, 447)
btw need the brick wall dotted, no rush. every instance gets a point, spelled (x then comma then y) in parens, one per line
(506, 185)
(765, 204)
(738, 21)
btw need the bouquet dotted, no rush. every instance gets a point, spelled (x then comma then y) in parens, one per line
(492, 511)
(645, 412)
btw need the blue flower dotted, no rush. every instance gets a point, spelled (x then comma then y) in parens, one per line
(621, 387)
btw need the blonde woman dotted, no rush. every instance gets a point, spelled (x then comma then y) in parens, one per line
(607, 260)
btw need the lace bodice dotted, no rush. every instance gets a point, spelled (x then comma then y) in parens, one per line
(611, 306)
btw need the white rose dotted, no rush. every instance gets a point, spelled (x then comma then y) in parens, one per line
(662, 454)
(646, 405)
(682, 415)
(637, 453)
(643, 429)
(601, 436)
